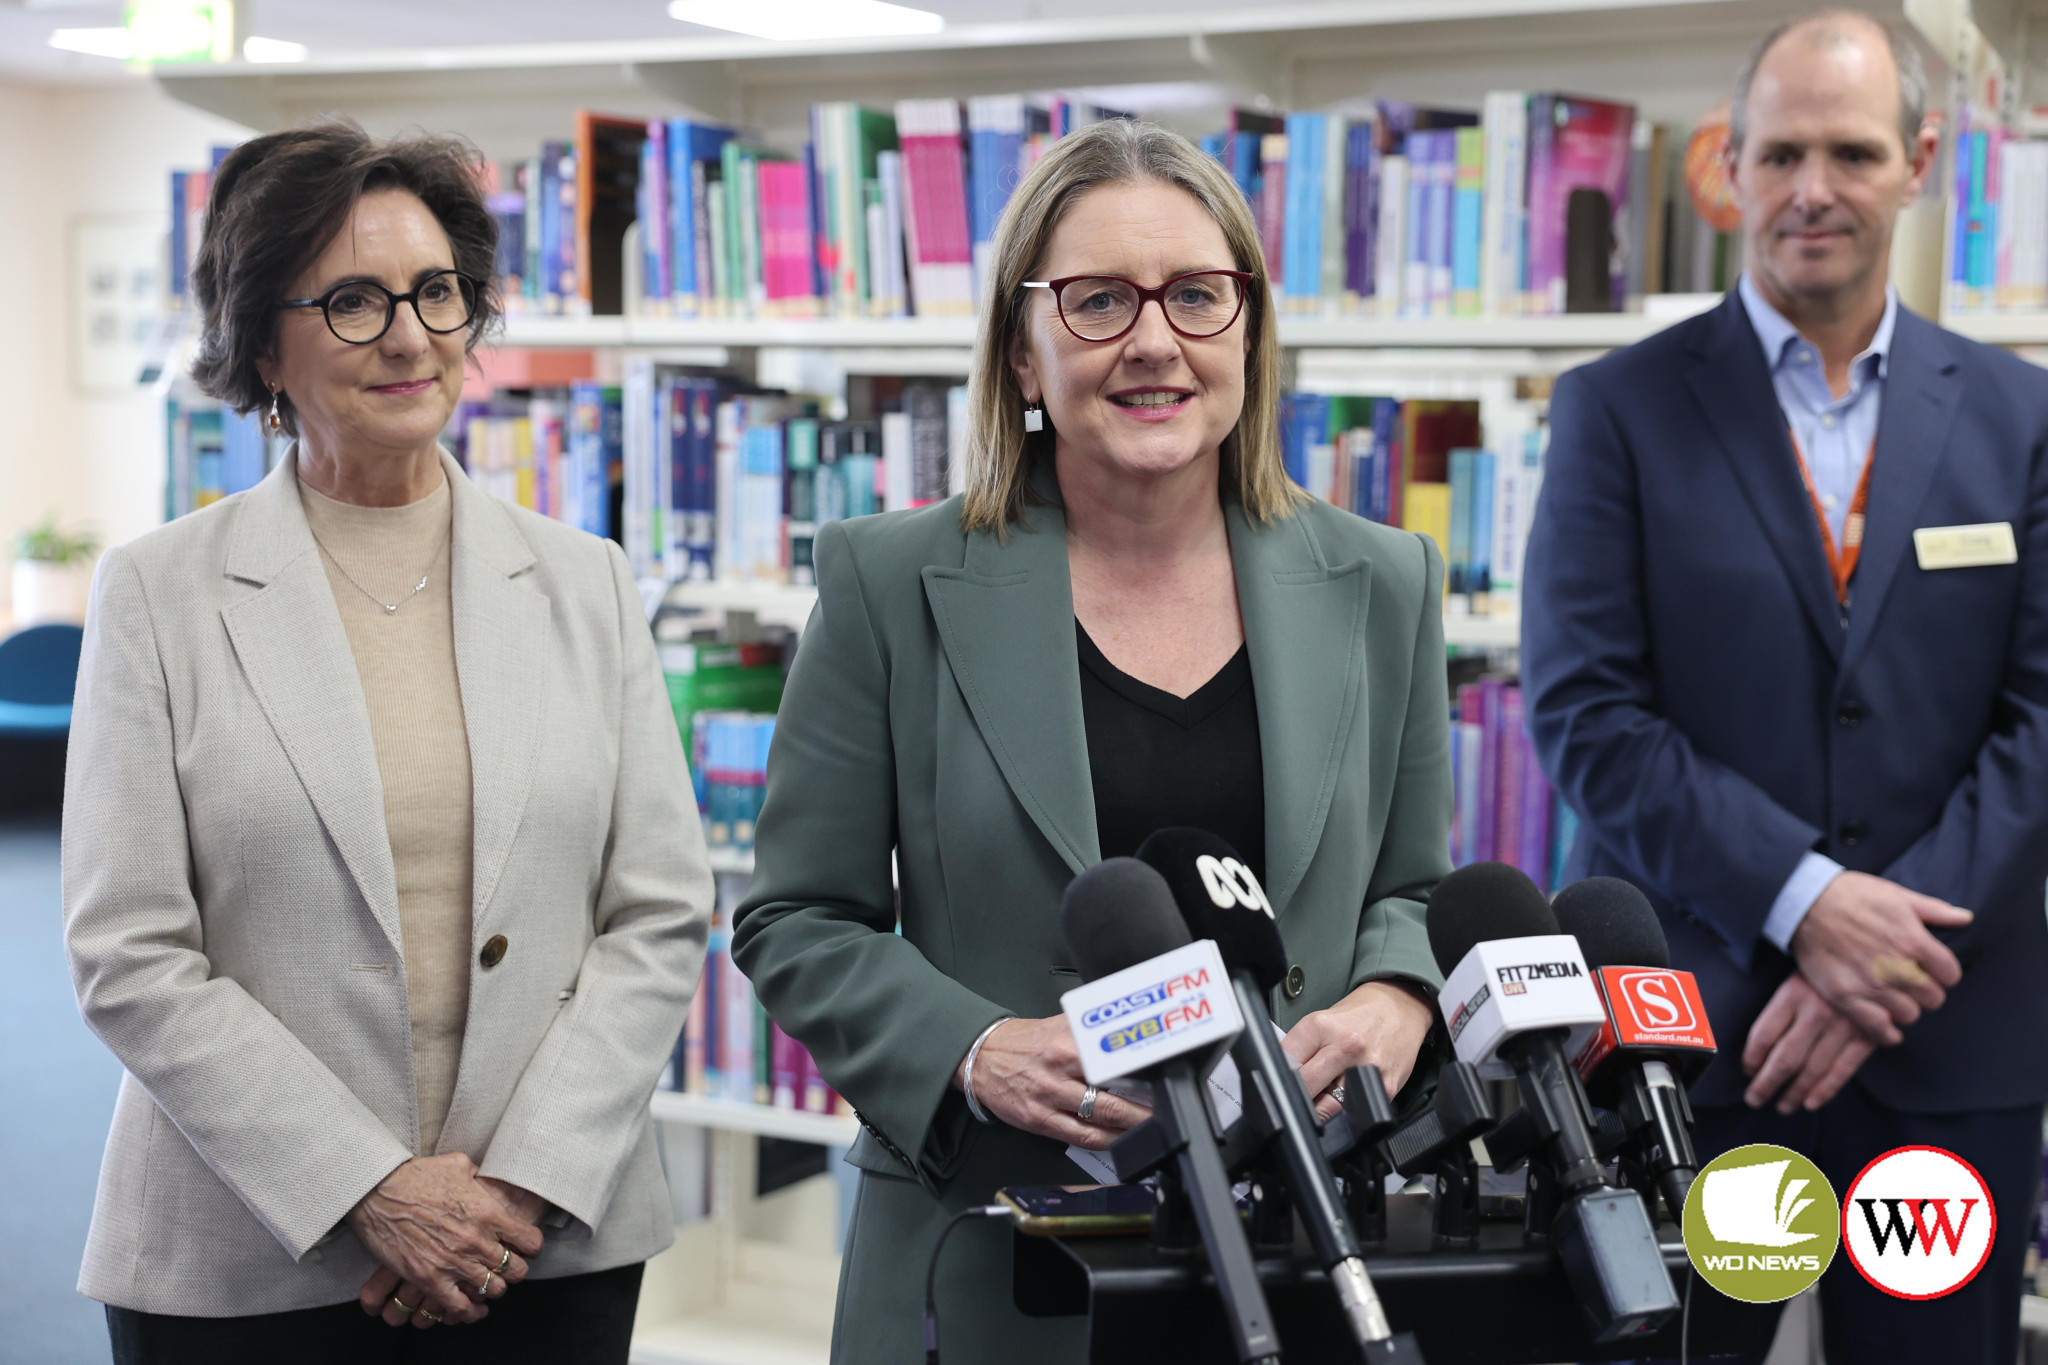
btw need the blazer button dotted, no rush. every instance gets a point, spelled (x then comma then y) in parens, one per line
(494, 951)
(1852, 832)
(1850, 715)
(1297, 982)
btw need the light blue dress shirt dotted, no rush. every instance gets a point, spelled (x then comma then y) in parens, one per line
(1836, 435)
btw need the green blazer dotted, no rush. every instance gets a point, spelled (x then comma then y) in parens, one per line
(934, 711)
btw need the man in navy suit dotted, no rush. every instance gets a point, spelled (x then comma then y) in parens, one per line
(1785, 644)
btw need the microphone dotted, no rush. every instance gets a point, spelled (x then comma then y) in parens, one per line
(1520, 1002)
(1157, 1006)
(1222, 901)
(1654, 1042)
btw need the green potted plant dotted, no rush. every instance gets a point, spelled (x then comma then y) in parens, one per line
(52, 572)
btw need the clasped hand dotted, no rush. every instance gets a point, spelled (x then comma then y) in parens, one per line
(1028, 1073)
(436, 1228)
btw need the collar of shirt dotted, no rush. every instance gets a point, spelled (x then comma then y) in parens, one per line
(1795, 359)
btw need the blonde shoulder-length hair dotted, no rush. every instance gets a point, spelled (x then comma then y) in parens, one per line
(1000, 455)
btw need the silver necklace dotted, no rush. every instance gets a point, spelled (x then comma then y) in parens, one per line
(389, 607)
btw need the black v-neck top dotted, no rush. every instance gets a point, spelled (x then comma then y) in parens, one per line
(1157, 760)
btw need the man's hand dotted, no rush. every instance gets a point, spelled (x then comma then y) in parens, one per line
(1800, 1049)
(1382, 1023)
(1865, 948)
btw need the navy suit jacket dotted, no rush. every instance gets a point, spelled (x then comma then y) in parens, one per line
(1695, 694)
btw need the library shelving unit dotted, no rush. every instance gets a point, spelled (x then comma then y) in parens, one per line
(750, 1280)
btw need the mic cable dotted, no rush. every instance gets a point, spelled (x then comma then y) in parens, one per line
(931, 1273)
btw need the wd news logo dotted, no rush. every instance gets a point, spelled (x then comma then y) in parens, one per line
(1918, 1222)
(1761, 1223)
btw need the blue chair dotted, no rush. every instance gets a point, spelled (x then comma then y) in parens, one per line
(38, 674)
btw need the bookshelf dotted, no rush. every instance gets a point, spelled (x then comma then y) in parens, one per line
(790, 604)
(761, 1120)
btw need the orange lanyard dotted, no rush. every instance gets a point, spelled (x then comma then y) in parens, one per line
(1841, 562)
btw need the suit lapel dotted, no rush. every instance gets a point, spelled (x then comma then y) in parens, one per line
(289, 640)
(1922, 391)
(1006, 620)
(1733, 385)
(1303, 622)
(501, 643)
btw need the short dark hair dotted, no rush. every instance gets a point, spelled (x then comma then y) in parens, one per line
(275, 204)
(1833, 25)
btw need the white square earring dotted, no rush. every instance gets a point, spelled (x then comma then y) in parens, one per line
(1034, 417)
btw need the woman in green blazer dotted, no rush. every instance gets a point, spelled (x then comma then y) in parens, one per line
(1131, 620)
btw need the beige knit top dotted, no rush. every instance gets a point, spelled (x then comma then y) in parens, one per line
(406, 661)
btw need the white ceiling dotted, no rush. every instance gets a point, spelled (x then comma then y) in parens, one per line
(334, 27)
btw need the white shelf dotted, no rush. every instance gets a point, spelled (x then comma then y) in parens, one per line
(726, 858)
(944, 342)
(1483, 632)
(2000, 329)
(787, 602)
(797, 1125)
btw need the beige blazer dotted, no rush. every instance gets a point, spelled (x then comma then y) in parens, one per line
(231, 912)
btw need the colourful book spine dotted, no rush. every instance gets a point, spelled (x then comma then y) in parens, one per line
(1486, 806)
(1361, 209)
(1458, 554)
(1415, 276)
(785, 1080)
(1537, 803)
(739, 1031)
(940, 242)
(716, 966)
(657, 242)
(1508, 813)
(1543, 238)
(1442, 227)
(1470, 778)
(1273, 209)
(817, 1096)
(1467, 213)
(692, 1078)
(1479, 573)
(1427, 510)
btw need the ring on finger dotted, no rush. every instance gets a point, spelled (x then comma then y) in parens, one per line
(1086, 1112)
(484, 1292)
(400, 1304)
(503, 1260)
(429, 1314)
(1337, 1091)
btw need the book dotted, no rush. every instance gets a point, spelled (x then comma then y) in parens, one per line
(1575, 144)
(1501, 235)
(1468, 209)
(937, 237)
(1272, 210)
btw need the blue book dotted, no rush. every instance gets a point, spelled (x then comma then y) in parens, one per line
(1361, 207)
(1458, 555)
(1386, 423)
(1443, 174)
(1213, 145)
(181, 249)
(689, 146)
(1304, 421)
(552, 226)
(1302, 256)
(1480, 577)
(1415, 284)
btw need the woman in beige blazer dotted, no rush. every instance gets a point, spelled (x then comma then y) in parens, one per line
(382, 872)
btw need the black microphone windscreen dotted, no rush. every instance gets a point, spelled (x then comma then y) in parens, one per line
(1481, 902)
(1613, 923)
(1223, 901)
(1117, 914)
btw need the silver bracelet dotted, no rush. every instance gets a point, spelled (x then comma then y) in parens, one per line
(967, 1071)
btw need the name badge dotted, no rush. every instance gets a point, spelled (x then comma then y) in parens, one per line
(1965, 547)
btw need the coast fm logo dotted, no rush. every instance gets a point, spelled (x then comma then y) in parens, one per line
(1918, 1222)
(1761, 1223)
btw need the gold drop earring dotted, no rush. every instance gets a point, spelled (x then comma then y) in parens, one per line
(275, 420)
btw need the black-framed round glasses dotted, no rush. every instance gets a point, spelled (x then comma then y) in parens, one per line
(361, 311)
(1198, 304)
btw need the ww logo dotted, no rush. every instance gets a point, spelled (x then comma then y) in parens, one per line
(1919, 1222)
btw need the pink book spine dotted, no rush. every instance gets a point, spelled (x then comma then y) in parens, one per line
(1536, 804)
(1507, 839)
(774, 195)
(938, 199)
(785, 1071)
(1487, 844)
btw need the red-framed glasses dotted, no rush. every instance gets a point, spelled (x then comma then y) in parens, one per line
(1198, 304)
